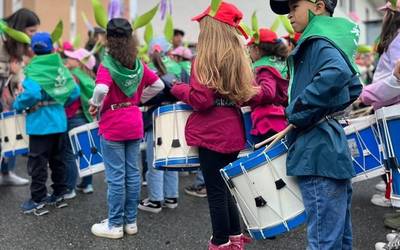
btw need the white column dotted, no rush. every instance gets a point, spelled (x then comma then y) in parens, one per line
(1, 8)
(133, 7)
(16, 5)
(72, 18)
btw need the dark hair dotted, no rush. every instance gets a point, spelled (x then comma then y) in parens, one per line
(20, 20)
(87, 70)
(279, 49)
(156, 58)
(179, 32)
(123, 49)
(390, 27)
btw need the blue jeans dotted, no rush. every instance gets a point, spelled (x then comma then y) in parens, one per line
(69, 157)
(123, 180)
(328, 203)
(160, 184)
(199, 181)
(8, 164)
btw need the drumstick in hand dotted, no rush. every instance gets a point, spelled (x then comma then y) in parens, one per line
(278, 136)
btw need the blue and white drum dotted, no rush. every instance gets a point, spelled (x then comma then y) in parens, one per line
(269, 201)
(171, 151)
(365, 148)
(14, 140)
(389, 127)
(85, 143)
(248, 124)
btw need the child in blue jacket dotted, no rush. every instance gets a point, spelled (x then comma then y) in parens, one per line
(323, 81)
(48, 86)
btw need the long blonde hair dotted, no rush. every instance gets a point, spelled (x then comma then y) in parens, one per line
(222, 63)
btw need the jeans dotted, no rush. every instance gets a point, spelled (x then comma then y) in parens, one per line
(43, 150)
(8, 164)
(123, 180)
(199, 181)
(327, 203)
(160, 184)
(224, 213)
(69, 157)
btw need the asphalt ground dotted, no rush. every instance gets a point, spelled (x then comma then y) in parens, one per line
(186, 227)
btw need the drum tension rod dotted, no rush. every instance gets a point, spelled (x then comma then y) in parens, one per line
(175, 143)
(280, 184)
(19, 137)
(260, 202)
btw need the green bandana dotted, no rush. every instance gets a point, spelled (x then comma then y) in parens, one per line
(86, 85)
(340, 32)
(127, 80)
(186, 65)
(272, 61)
(51, 74)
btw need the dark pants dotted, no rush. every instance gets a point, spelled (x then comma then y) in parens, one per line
(43, 150)
(224, 213)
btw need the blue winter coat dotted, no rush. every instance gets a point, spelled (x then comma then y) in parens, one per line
(323, 84)
(45, 120)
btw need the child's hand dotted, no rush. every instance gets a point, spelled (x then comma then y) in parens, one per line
(396, 71)
(93, 110)
(15, 67)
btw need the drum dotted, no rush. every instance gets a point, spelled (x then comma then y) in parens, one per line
(85, 143)
(171, 151)
(269, 201)
(389, 128)
(14, 140)
(248, 124)
(365, 147)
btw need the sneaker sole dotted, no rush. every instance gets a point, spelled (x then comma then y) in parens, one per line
(170, 206)
(33, 210)
(114, 237)
(195, 194)
(131, 232)
(148, 209)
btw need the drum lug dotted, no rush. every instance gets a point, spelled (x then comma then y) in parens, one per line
(93, 150)
(6, 139)
(19, 137)
(280, 184)
(175, 143)
(159, 141)
(260, 202)
(80, 153)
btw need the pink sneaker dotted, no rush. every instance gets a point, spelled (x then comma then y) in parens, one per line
(226, 246)
(238, 241)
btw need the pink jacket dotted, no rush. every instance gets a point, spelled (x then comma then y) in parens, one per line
(268, 107)
(385, 88)
(216, 128)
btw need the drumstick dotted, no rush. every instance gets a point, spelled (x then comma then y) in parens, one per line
(268, 140)
(279, 136)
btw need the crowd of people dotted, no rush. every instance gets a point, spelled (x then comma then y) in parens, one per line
(301, 80)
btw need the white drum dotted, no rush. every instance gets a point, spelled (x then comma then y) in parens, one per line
(269, 201)
(14, 140)
(85, 143)
(170, 149)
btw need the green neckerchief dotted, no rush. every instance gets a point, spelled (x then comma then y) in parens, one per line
(274, 62)
(171, 66)
(51, 74)
(186, 65)
(340, 32)
(86, 85)
(127, 80)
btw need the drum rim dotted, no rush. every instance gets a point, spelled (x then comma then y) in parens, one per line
(190, 160)
(251, 161)
(390, 112)
(83, 128)
(360, 125)
(7, 114)
(172, 107)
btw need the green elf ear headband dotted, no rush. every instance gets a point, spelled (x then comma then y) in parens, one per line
(17, 35)
(254, 27)
(101, 17)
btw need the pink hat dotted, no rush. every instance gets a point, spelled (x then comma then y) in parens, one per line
(67, 46)
(182, 52)
(83, 56)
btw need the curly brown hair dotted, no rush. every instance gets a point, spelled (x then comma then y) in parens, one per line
(123, 49)
(279, 50)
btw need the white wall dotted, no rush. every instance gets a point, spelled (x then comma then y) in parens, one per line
(184, 10)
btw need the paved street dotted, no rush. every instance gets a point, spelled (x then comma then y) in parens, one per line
(186, 227)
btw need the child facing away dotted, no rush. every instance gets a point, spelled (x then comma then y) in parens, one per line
(323, 81)
(48, 86)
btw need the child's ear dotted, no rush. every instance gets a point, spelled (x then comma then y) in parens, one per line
(320, 8)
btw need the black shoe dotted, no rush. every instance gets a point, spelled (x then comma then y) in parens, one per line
(150, 206)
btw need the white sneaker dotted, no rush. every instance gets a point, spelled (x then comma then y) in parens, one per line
(380, 246)
(131, 229)
(103, 230)
(86, 190)
(11, 179)
(381, 186)
(70, 195)
(390, 236)
(380, 200)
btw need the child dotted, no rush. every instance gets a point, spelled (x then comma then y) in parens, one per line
(122, 82)
(221, 80)
(268, 106)
(47, 87)
(183, 56)
(81, 64)
(323, 80)
(162, 185)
